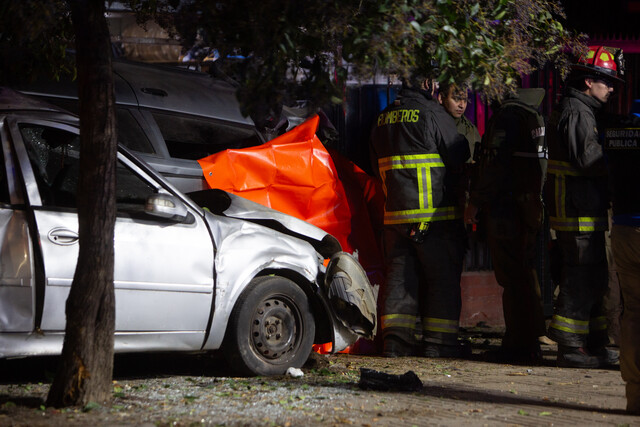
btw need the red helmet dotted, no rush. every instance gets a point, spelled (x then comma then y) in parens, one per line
(601, 61)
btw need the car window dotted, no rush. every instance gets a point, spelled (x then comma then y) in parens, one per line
(55, 158)
(194, 138)
(130, 134)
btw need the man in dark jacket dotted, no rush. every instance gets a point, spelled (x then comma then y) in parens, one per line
(578, 202)
(454, 99)
(416, 152)
(622, 147)
(511, 169)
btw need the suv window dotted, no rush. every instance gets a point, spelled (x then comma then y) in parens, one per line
(55, 158)
(130, 134)
(194, 138)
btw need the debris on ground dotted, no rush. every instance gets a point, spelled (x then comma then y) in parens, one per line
(374, 380)
(294, 372)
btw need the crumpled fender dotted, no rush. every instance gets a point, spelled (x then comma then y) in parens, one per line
(351, 295)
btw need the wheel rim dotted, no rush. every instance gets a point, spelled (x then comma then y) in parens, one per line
(275, 327)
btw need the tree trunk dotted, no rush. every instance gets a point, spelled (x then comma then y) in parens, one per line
(86, 366)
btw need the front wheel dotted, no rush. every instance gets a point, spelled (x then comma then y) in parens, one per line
(271, 328)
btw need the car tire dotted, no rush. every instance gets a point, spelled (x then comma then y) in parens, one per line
(271, 328)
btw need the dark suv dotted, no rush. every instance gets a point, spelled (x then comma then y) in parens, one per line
(169, 116)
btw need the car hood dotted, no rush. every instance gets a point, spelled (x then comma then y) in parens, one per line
(230, 205)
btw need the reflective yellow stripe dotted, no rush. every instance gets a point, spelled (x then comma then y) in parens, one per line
(560, 170)
(398, 321)
(433, 324)
(560, 221)
(582, 223)
(571, 326)
(422, 215)
(427, 176)
(557, 167)
(422, 163)
(409, 161)
(598, 323)
(421, 172)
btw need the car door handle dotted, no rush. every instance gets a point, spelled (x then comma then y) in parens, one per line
(154, 91)
(62, 236)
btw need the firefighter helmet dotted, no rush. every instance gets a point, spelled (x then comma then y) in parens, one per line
(601, 61)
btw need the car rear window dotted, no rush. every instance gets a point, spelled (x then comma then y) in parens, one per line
(194, 138)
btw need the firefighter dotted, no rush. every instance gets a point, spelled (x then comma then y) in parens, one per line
(507, 188)
(578, 202)
(417, 152)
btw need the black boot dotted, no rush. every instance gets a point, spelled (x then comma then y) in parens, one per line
(576, 357)
(605, 356)
(527, 355)
(456, 351)
(396, 347)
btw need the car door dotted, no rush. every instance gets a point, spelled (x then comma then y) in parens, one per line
(163, 273)
(17, 282)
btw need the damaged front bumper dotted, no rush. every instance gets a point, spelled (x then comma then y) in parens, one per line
(352, 300)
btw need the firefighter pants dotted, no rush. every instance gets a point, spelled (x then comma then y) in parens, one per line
(421, 299)
(625, 243)
(579, 318)
(513, 253)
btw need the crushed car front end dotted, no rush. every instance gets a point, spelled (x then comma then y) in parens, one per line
(340, 295)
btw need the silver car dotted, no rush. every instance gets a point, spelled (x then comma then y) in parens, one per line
(205, 272)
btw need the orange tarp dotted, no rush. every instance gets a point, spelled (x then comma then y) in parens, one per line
(292, 173)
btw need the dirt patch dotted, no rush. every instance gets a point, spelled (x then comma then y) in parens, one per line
(186, 390)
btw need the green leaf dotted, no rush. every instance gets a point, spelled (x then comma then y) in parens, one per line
(522, 412)
(544, 414)
(91, 406)
(190, 398)
(450, 29)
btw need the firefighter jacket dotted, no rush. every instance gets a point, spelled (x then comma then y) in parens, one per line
(418, 154)
(577, 182)
(512, 163)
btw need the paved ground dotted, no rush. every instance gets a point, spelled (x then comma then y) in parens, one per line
(193, 390)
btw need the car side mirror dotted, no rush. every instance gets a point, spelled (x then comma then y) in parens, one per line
(167, 206)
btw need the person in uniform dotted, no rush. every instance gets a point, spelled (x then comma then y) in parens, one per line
(622, 149)
(417, 153)
(577, 196)
(507, 187)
